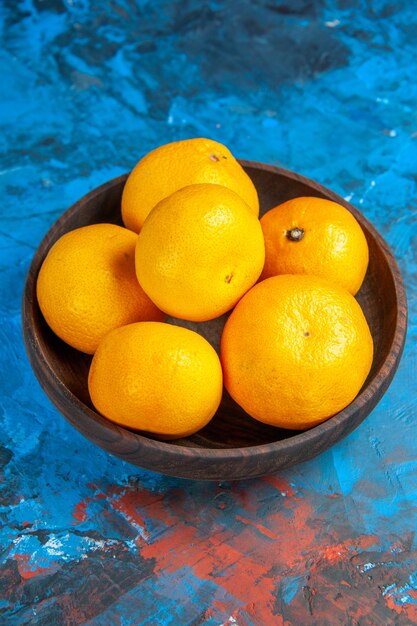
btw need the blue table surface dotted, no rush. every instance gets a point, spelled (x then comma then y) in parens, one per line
(325, 88)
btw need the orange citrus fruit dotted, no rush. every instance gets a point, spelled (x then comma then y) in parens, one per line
(315, 236)
(178, 164)
(156, 378)
(87, 285)
(295, 351)
(199, 250)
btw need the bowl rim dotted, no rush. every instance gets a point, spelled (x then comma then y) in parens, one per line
(374, 388)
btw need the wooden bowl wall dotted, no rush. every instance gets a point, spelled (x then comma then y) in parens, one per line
(233, 445)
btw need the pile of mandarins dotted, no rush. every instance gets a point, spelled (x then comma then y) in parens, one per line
(296, 347)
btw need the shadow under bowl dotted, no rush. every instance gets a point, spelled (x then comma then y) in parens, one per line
(233, 445)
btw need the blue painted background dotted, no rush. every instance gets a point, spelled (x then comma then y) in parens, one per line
(328, 89)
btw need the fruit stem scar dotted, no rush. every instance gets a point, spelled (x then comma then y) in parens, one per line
(306, 334)
(295, 234)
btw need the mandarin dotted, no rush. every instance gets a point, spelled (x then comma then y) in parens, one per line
(309, 235)
(157, 378)
(178, 164)
(87, 285)
(199, 250)
(295, 351)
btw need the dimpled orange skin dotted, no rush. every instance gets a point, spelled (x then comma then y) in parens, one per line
(178, 164)
(169, 379)
(199, 251)
(87, 285)
(295, 351)
(332, 243)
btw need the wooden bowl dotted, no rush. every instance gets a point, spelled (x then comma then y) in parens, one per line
(233, 445)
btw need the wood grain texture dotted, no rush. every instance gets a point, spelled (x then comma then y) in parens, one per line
(233, 445)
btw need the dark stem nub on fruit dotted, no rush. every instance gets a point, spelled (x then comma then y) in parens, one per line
(295, 234)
